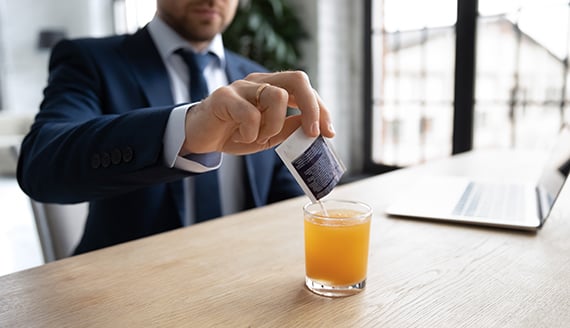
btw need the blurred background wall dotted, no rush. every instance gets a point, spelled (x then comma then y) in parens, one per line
(23, 63)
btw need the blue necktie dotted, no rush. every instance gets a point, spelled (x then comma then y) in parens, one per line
(206, 190)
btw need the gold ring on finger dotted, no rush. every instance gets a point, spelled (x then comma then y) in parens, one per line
(258, 93)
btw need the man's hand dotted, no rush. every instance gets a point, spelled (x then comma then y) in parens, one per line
(249, 115)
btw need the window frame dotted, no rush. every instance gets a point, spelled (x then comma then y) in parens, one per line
(464, 87)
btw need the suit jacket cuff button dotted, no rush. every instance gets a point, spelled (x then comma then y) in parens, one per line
(116, 156)
(127, 154)
(95, 161)
(105, 159)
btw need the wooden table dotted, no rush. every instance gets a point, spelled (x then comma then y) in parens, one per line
(247, 270)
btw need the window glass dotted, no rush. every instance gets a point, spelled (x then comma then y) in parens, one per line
(521, 73)
(521, 76)
(413, 51)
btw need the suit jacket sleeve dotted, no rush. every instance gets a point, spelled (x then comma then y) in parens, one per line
(90, 139)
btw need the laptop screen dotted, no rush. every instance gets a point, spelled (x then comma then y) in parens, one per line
(555, 171)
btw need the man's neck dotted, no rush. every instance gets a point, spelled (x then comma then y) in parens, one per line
(199, 46)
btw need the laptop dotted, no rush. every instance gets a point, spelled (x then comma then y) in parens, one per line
(507, 204)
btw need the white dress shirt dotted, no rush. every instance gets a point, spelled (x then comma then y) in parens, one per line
(230, 168)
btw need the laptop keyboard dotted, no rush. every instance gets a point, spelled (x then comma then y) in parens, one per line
(491, 200)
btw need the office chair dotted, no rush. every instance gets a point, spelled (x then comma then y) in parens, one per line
(59, 226)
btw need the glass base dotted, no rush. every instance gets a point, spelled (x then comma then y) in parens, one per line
(334, 291)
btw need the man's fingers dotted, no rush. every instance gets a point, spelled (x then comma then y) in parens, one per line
(325, 119)
(267, 106)
(251, 114)
(291, 124)
(272, 103)
(258, 93)
(304, 98)
(258, 111)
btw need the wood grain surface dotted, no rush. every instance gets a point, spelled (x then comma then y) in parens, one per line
(247, 270)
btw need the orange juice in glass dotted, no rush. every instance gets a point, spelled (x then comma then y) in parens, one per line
(336, 246)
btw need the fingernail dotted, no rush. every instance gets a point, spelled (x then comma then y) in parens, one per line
(315, 128)
(331, 128)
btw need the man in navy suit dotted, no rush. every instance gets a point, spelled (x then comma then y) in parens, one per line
(117, 128)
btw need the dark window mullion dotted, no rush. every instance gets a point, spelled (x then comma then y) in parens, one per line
(464, 95)
(370, 167)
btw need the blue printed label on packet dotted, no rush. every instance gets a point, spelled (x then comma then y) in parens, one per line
(313, 162)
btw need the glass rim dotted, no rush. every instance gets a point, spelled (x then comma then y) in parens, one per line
(363, 215)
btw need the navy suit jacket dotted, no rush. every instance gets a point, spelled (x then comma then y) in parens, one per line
(98, 138)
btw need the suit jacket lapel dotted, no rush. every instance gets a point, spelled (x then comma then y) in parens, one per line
(148, 68)
(235, 70)
(153, 79)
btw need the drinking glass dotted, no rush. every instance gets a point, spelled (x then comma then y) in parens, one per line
(337, 234)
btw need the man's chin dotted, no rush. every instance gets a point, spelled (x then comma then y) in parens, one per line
(200, 34)
(204, 30)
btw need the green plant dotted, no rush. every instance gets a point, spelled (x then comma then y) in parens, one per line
(268, 32)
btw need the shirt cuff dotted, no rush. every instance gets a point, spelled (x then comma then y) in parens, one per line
(174, 138)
